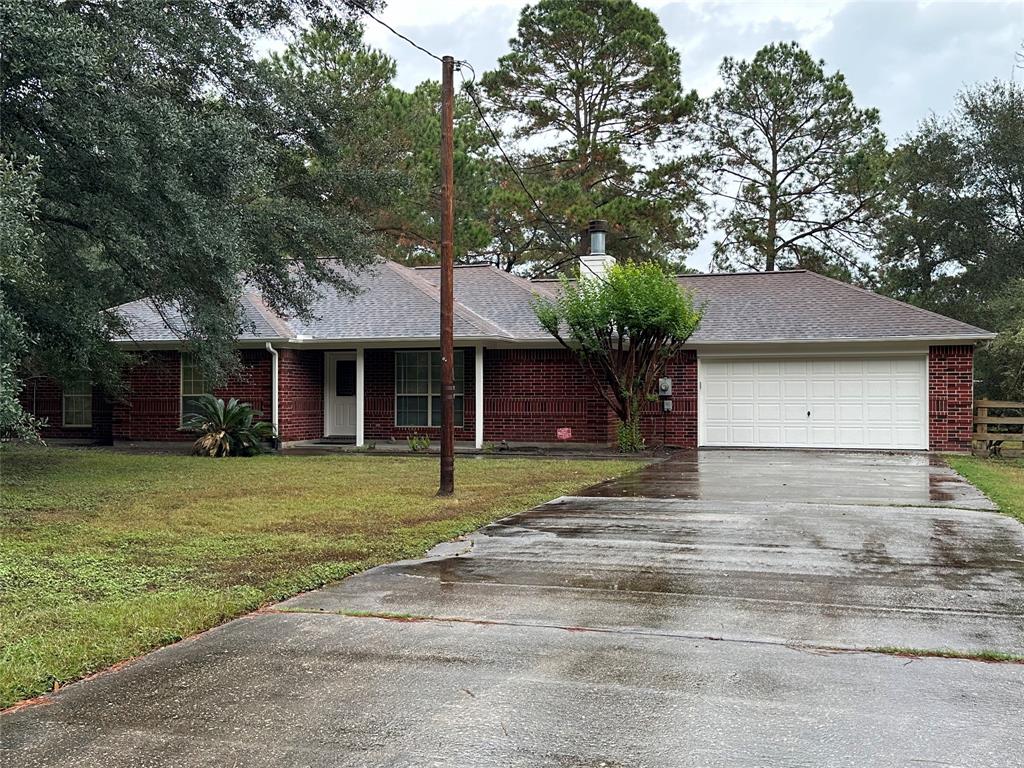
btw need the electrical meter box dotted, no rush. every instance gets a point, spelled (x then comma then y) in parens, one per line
(665, 387)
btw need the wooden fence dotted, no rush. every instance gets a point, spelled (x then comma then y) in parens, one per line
(998, 428)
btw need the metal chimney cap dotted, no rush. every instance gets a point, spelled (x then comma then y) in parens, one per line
(597, 225)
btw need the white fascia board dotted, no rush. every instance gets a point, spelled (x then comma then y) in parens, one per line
(929, 340)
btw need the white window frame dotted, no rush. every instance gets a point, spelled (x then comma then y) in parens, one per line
(79, 395)
(207, 390)
(433, 388)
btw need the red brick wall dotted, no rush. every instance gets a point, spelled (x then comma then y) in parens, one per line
(530, 393)
(43, 397)
(301, 382)
(677, 429)
(151, 407)
(950, 398)
(379, 405)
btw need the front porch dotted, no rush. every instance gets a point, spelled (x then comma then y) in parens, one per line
(360, 396)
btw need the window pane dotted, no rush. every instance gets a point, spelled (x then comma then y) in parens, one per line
(411, 411)
(345, 378)
(192, 380)
(77, 402)
(411, 373)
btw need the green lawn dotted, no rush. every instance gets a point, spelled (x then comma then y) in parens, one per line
(1002, 480)
(106, 555)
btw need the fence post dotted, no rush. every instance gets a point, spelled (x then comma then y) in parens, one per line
(981, 413)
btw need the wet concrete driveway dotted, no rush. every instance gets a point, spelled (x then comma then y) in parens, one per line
(716, 609)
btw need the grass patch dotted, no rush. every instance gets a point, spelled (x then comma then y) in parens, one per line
(1002, 480)
(947, 653)
(105, 555)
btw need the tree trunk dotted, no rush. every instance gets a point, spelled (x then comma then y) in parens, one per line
(773, 214)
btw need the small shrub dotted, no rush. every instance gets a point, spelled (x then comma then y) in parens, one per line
(631, 438)
(226, 430)
(419, 443)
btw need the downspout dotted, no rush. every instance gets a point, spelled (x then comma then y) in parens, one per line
(273, 393)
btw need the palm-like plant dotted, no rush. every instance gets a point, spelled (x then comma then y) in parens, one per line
(226, 430)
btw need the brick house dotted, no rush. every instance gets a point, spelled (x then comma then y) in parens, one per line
(781, 359)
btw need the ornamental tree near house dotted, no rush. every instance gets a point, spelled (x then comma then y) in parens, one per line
(623, 328)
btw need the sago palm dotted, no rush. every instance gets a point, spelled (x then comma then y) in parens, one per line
(226, 429)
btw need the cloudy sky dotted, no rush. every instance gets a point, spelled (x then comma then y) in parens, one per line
(906, 58)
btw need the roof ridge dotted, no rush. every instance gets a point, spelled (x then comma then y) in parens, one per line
(516, 280)
(742, 274)
(432, 291)
(890, 299)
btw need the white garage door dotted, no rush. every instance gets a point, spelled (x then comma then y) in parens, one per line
(845, 402)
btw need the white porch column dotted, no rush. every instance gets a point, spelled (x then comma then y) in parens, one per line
(360, 394)
(478, 382)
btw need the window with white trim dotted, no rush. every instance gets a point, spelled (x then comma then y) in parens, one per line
(78, 404)
(418, 388)
(193, 384)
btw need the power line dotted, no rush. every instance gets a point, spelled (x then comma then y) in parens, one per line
(470, 87)
(471, 90)
(366, 12)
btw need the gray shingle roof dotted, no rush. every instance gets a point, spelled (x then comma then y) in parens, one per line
(799, 305)
(394, 302)
(504, 299)
(147, 322)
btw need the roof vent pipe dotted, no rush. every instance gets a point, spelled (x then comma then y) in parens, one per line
(596, 263)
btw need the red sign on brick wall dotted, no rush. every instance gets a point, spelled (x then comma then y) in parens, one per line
(564, 433)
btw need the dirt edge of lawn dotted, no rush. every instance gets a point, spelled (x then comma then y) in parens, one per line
(108, 556)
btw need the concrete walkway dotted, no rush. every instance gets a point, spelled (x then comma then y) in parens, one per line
(712, 610)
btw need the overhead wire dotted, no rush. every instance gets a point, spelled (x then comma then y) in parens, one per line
(470, 88)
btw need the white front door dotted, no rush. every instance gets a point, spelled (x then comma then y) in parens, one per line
(340, 394)
(819, 402)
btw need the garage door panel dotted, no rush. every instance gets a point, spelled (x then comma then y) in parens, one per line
(740, 412)
(822, 388)
(870, 402)
(741, 389)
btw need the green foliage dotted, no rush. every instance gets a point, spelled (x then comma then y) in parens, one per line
(1002, 480)
(105, 555)
(799, 165)
(953, 237)
(630, 436)
(411, 222)
(226, 429)
(18, 273)
(168, 162)
(623, 328)
(599, 84)
(418, 443)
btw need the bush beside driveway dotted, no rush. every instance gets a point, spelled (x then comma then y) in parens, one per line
(106, 555)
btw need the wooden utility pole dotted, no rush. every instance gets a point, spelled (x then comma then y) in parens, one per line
(447, 487)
